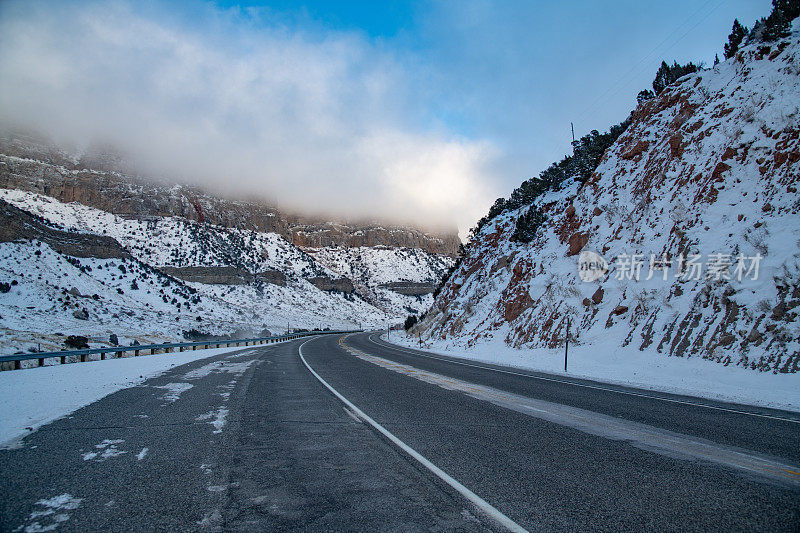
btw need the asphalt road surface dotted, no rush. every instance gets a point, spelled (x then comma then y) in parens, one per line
(340, 433)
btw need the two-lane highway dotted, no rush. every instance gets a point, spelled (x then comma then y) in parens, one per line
(351, 433)
(608, 459)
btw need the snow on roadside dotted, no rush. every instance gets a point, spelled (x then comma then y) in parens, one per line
(35, 396)
(691, 376)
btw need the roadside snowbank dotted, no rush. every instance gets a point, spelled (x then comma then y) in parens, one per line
(692, 376)
(35, 396)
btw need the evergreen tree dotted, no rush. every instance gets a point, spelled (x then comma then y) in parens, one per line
(716, 59)
(586, 155)
(644, 95)
(738, 33)
(667, 74)
(778, 22)
(527, 224)
(790, 8)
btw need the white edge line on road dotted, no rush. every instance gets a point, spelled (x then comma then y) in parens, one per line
(566, 382)
(484, 506)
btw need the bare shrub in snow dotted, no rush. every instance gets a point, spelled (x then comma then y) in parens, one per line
(758, 237)
(763, 306)
(748, 113)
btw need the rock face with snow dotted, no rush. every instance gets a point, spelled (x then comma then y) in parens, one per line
(390, 278)
(228, 280)
(16, 225)
(705, 176)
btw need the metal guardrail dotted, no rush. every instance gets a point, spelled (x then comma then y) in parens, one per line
(167, 348)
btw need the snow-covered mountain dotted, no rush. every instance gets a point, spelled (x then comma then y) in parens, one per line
(58, 282)
(705, 175)
(167, 276)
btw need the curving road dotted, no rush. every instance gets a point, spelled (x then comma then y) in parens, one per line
(351, 433)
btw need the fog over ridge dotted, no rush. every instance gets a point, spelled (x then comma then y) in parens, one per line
(329, 124)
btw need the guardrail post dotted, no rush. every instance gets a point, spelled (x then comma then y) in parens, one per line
(17, 365)
(63, 359)
(194, 347)
(41, 361)
(83, 358)
(102, 356)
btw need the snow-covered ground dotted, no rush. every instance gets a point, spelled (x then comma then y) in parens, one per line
(35, 396)
(135, 301)
(54, 295)
(611, 363)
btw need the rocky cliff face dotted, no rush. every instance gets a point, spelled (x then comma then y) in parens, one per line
(695, 208)
(17, 225)
(33, 165)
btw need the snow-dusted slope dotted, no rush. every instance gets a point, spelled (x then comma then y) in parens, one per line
(709, 167)
(374, 266)
(173, 241)
(375, 269)
(54, 295)
(177, 242)
(162, 308)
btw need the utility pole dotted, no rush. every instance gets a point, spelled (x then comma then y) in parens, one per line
(571, 125)
(566, 346)
(287, 327)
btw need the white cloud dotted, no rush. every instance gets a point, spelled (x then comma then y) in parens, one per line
(314, 121)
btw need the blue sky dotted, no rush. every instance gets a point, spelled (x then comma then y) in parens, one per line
(416, 111)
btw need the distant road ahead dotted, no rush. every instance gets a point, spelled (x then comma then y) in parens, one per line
(255, 441)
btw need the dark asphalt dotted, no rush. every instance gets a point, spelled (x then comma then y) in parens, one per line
(771, 436)
(290, 457)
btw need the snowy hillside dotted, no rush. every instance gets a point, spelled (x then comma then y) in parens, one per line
(52, 295)
(235, 282)
(173, 241)
(695, 208)
(377, 269)
(177, 243)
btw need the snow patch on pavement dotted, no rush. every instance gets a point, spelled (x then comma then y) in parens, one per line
(72, 386)
(219, 367)
(106, 450)
(52, 513)
(217, 418)
(174, 390)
